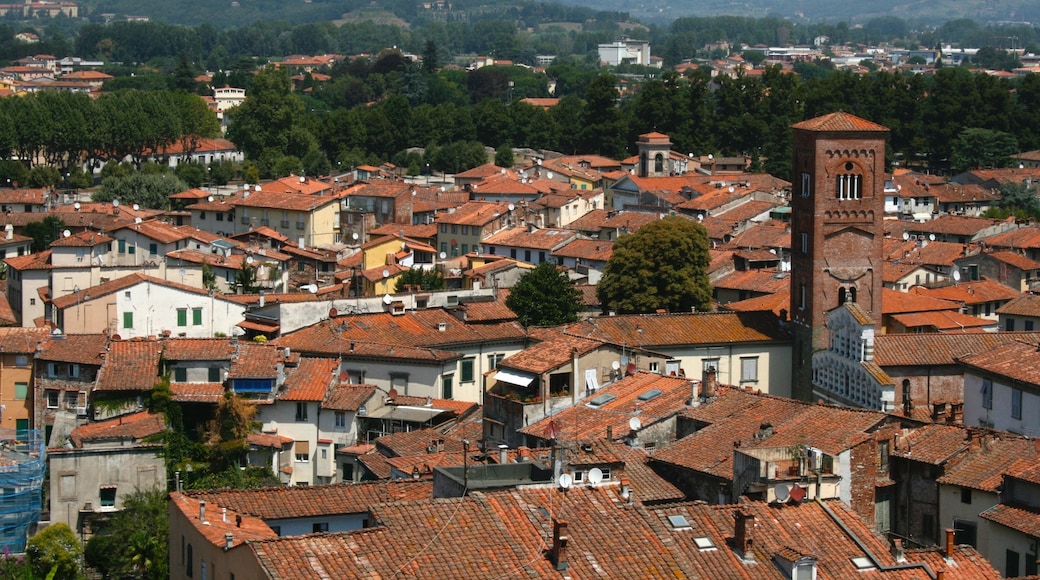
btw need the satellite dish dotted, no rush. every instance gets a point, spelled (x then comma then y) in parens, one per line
(256, 188)
(354, 236)
(116, 337)
(615, 365)
(512, 207)
(503, 172)
(442, 255)
(333, 313)
(443, 189)
(700, 217)
(956, 275)
(115, 203)
(137, 207)
(566, 480)
(303, 179)
(387, 299)
(732, 189)
(635, 424)
(782, 491)
(710, 157)
(182, 272)
(66, 233)
(312, 288)
(210, 198)
(137, 220)
(249, 259)
(549, 174)
(906, 236)
(931, 237)
(538, 161)
(386, 273)
(76, 206)
(595, 475)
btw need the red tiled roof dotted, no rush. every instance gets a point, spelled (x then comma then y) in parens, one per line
(307, 501)
(1014, 259)
(933, 443)
(131, 365)
(310, 380)
(552, 351)
(197, 392)
(679, 329)
(969, 293)
(135, 427)
(347, 397)
(1024, 305)
(892, 350)
(218, 524)
(943, 321)
(1016, 518)
(269, 440)
(75, 348)
(984, 467)
(838, 123)
(1016, 360)
(894, 302)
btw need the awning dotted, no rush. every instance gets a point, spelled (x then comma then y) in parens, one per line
(258, 326)
(405, 413)
(517, 378)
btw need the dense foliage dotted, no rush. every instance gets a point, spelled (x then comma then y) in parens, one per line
(132, 543)
(662, 266)
(544, 296)
(54, 553)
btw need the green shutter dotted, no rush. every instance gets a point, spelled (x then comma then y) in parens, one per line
(182, 317)
(128, 320)
(21, 391)
(196, 316)
(180, 375)
(467, 370)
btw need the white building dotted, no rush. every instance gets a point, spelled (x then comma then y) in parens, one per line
(625, 51)
(845, 373)
(1002, 388)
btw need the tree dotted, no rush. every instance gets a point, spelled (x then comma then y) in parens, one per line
(133, 543)
(54, 552)
(661, 266)
(504, 156)
(754, 57)
(151, 191)
(43, 232)
(226, 433)
(976, 148)
(420, 278)
(544, 297)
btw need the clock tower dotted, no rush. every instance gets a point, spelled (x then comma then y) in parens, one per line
(837, 208)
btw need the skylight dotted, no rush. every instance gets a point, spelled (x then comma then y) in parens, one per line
(679, 522)
(650, 395)
(602, 400)
(862, 563)
(704, 544)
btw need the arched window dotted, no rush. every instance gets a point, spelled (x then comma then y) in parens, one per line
(849, 185)
(842, 296)
(658, 163)
(852, 294)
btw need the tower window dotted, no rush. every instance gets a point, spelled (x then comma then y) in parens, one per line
(806, 185)
(658, 163)
(850, 186)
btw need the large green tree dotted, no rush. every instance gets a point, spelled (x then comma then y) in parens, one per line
(659, 267)
(54, 553)
(133, 542)
(544, 296)
(982, 148)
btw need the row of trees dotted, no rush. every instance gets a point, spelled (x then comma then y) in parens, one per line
(61, 130)
(744, 114)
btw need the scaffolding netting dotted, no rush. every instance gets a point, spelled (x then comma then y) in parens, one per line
(22, 465)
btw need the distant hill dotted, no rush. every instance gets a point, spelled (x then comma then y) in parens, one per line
(928, 12)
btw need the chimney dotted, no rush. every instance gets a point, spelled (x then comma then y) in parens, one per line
(522, 453)
(765, 430)
(558, 555)
(503, 454)
(223, 515)
(897, 550)
(742, 532)
(940, 574)
(202, 511)
(610, 432)
(949, 543)
(238, 520)
(694, 399)
(938, 412)
(709, 382)
(229, 541)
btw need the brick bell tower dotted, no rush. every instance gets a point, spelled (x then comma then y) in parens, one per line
(837, 203)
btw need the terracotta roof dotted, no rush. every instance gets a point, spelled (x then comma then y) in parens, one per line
(474, 213)
(131, 365)
(766, 235)
(763, 280)
(969, 293)
(1016, 518)
(595, 250)
(197, 392)
(583, 422)
(894, 302)
(269, 440)
(218, 524)
(953, 225)
(1024, 238)
(273, 503)
(310, 380)
(198, 349)
(75, 348)
(932, 443)
(892, 350)
(659, 330)
(598, 219)
(775, 303)
(984, 467)
(551, 352)
(134, 427)
(1016, 360)
(120, 284)
(417, 442)
(1014, 259)
(943, 321)
(1024, 305)
(346, 396)
(838, 123)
